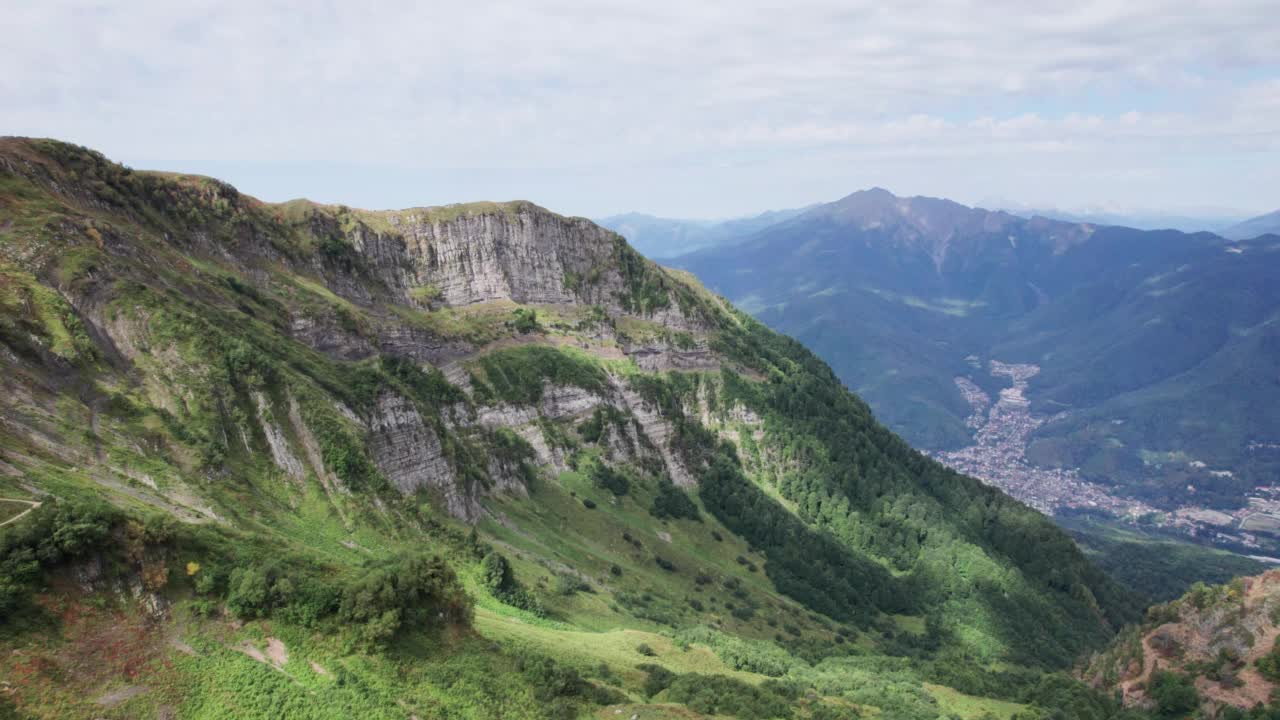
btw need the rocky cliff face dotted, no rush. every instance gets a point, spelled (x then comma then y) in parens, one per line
(410, 455)
(520, 253)
(486, 252)
(248, 322)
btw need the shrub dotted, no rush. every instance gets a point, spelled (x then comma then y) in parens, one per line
(757, 656)
(657, 679)
(1269, 665)
(720, 695)
(48, 535)
(524, 320)
(644, 649)
(568, 584)
(549, 679)
(672, 502)
(426, 294)
(595, 428)
(408, 591)
(606, 477)
(250, 593)
(497, 578)
(1174, 694)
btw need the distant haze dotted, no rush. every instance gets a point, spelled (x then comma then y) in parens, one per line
(671, 108)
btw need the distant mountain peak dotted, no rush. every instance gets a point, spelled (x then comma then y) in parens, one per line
(921, 223)
(1268, 224)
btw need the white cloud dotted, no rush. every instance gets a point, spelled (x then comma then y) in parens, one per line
(637, 93)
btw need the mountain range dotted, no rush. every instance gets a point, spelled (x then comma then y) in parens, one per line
(1150, 357)
(1215, 220)
(483, 461)
(660, 237)
(1268, 224)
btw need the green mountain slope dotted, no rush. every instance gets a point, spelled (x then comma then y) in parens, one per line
(472, 461)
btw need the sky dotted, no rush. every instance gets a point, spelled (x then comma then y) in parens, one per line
(672, 107)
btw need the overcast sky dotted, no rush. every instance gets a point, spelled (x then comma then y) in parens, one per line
(673, 107)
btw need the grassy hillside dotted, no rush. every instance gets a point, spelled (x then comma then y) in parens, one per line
(481, 461)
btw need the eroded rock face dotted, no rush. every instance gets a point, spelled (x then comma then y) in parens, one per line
(281, 454)
(1216, 635)
(558, 402)
(522, 255)
(658, 430)
(410, 455)
(661, 357)
(325, 335)
(515, 251)
(545, 453)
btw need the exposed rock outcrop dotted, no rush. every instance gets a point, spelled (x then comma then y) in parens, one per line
(408, 452)
(658, 429)
(1216, 634)
(281, 454)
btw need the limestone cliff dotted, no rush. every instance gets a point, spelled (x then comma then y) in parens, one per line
(247, 324)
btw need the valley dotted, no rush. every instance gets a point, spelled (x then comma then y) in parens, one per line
(1001, 433)
(998, 455)
(1080, 367)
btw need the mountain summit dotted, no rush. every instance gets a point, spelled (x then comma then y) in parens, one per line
(1149, 350)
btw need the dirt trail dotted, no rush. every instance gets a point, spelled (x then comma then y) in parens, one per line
(1253, 688)
(124, 694)
(276, 655)
(22, 514)
(1149, 659)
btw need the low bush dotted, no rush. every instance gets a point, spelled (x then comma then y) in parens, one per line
(496, 576)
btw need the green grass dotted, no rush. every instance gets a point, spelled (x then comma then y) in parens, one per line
(910, 623)
(968, 707)
(553, 526)
(518, 375)
(616, 648)
(10, 510)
